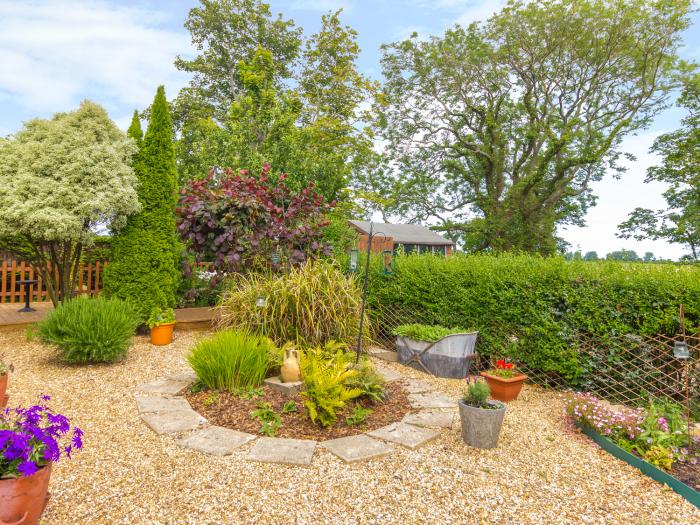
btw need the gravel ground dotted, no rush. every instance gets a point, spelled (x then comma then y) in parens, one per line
(541, 472)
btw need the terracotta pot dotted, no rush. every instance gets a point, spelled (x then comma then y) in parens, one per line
(3, 389)
(504, 389)
(23, 500)
(162, 334)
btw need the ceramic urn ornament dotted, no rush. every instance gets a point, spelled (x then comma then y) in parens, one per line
(290, 366)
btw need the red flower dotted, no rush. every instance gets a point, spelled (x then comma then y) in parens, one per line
(502, 364)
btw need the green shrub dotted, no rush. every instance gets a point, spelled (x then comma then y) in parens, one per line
(270, 419)
(160, 316)
(88, 330)
(477, 395)
(311, 305)
(232, 360)
(326, 376)
(534, 309)
(358, 416)
(424, 332)
(368, 380)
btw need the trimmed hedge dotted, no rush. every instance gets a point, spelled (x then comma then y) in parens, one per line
(533, 308)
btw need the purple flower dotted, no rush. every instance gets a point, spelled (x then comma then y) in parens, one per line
(33, 437)
(27, 468)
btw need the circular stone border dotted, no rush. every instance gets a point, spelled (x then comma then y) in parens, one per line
(167, 412)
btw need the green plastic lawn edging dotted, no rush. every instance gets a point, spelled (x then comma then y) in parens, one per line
(689, 493)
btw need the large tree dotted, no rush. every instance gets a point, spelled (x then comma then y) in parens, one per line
(679, 150)
(61, 179)
(497, 130)
(145, 261)
(248, 105)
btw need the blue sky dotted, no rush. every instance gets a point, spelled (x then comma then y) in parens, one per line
(54, 53)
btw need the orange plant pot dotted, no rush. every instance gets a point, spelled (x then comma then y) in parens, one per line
(3, 390)
(23, 500)
(504, 389)
(162, 334)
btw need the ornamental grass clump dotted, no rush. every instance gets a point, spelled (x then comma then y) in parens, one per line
(90, 330)
(33, 437)
(312, 305)
(232, 360)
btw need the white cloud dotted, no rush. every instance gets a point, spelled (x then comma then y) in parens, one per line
(479, 11)
(465, 11)
(617, 198)
(321, 5)
(54, 53)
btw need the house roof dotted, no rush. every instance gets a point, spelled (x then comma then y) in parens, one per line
(404, 233)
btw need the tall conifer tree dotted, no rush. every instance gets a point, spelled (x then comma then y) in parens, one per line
(144, 267)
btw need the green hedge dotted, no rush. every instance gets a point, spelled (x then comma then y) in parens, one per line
(533, 308)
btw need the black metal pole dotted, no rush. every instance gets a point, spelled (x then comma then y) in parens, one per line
(364, 293)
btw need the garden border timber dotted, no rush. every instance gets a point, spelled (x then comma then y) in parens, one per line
(688, 493)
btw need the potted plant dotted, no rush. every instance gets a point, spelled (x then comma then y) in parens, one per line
(504, 381)
(31, 440)
(5, 370)
(161, 322)
(481, 418)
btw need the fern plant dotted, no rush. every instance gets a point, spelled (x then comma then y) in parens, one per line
(326, 378)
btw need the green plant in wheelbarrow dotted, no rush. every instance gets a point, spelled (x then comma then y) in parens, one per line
(440, 351)
(481, 418)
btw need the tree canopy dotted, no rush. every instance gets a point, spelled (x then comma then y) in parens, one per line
(679, 150)
(248, 105)
(496, 131)
(61, 179)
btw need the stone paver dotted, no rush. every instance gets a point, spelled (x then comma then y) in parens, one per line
(413, 386)
(282, 450)
(388, 374)
(188, 376)
(431, 400)
(216, 440)
(161, 404)
(288, 389)
(430, 418)
(405, 435)
(386, 355)
(175, 421)
(163, 386)
(357, 448)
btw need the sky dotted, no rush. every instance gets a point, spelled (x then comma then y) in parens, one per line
(55, 53)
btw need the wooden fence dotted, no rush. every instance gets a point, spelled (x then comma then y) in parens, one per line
(11, 271)
(89, 280)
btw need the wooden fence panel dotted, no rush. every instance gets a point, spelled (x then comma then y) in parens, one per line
(11, 271)
(89, 280)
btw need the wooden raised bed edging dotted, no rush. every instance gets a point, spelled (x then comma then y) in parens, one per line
(689, 493)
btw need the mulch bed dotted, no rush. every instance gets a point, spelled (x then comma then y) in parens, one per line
(687, 473)
(228, 410)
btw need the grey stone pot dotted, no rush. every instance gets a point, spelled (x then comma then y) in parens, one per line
(481, 426)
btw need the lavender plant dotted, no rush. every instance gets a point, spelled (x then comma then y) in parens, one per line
(33, 437)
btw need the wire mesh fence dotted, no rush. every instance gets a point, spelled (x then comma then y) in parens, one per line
(628, 369)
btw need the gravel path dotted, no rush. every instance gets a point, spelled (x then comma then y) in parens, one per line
(540, 473)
